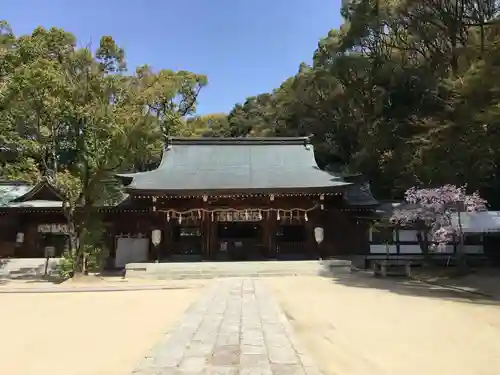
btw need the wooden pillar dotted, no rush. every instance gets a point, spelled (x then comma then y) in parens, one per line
(147, 225)
(270, 229)
(29, 247)
(112, 240)
(265, 226)
(205, 232)
(311, 245)
(167, 243)
(214, 240)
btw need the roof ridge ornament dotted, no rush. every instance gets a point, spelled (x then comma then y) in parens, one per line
(236, 141)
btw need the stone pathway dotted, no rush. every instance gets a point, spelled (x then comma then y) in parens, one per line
(235, 328)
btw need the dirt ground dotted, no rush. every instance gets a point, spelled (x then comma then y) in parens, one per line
(85, 333)
(354, 325)
(358, 325)
(98, 282)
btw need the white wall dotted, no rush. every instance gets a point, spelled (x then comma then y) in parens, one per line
(381, 248)
(474, 249)
(131, 250)
(407, 235)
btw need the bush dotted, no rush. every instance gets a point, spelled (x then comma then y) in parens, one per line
(91, 247)
(95, 255)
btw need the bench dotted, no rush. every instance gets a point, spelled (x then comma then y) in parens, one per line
(384, 268)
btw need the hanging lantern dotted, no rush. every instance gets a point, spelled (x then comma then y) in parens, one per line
(319, 234)
(305, 217)
(168, 216)
(156, 237)
(180, 218)
(20, 237)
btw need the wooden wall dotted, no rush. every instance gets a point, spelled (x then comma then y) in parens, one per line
(344, 234)
(27, 223)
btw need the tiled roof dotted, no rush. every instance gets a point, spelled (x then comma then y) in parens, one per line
(9, 192)
(359, 194)
(204, 165)
(37, 203)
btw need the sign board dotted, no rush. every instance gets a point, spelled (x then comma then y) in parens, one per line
(53, 228)
(50, 251)
(231, 216)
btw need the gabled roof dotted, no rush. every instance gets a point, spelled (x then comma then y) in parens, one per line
(196, 166)
(10, 190)
(42, 191)
(20, 194)
(37, 203)
(359, 193)
(43, 195)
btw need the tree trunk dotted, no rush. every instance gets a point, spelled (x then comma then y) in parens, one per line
(462, 266)
(74, 247)
(424, 245)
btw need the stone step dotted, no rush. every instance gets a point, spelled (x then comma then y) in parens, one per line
(207, 270)
(26, 267)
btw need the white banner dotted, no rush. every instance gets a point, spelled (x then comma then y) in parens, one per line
(53, 228)
(248, 215)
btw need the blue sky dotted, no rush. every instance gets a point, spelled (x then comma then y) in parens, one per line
(244, 47)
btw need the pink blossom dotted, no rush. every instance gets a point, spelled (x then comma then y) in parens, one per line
(432, 208)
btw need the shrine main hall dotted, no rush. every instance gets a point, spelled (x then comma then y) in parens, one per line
(241, 199)
(212, 199)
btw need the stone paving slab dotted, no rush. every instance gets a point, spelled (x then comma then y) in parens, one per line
(235, 328)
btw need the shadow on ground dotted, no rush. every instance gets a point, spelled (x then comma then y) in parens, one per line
(410, 287)
(33, 279)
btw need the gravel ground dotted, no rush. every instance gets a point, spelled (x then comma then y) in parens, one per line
(358, 325)
(85, 333)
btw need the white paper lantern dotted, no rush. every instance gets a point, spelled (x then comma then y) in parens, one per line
(20, 237)
(319, 234)
(156, 237)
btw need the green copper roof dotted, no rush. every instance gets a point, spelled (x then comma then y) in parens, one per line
(37, 203)
(204, 165)
(21, 195)
(11, 191)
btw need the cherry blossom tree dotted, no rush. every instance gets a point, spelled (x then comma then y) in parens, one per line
(430, 211)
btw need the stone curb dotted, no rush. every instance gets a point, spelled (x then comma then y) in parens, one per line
(87, 289)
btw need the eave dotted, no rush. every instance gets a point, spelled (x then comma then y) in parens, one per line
(183, 193)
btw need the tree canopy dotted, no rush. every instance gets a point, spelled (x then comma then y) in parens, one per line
(405, 92)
